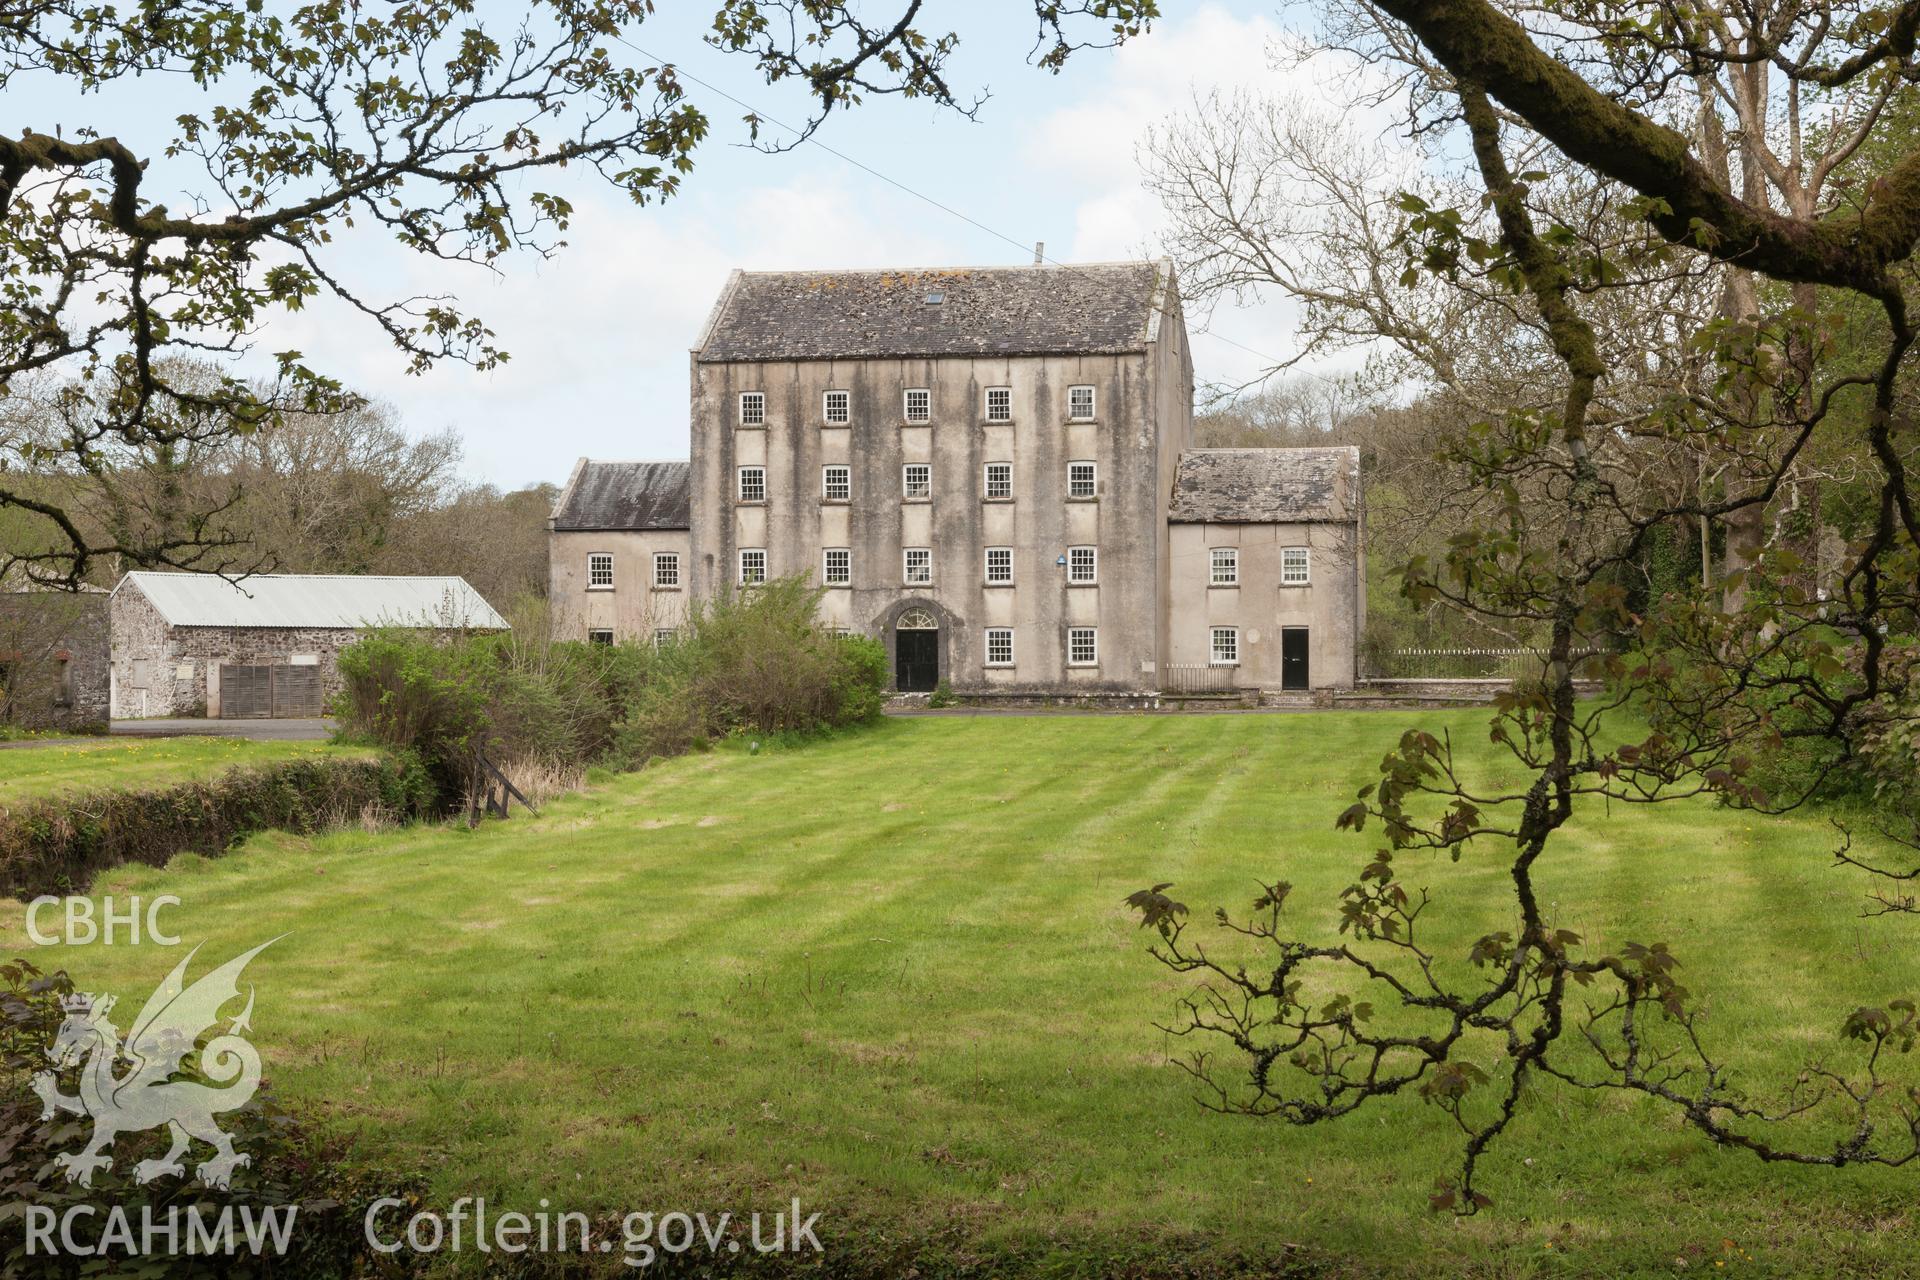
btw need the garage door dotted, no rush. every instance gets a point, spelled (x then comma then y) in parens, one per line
(259, 692)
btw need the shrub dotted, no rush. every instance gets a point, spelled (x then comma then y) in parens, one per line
(290, 1166)
(942, 696)
(450, 696)
(759, 661)
(57, 844)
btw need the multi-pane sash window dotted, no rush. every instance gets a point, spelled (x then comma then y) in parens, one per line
(1081, 480)
(839, 408)
(753, 408)
(916, 480)
(1293, 566)
(1080, 403)
(836, 483)
(919, 566)
(753, 484)
(838, 568)
(1082, 648)
(999, 565)
(999, 646)
(598, 636)
(999, 479)
(753, 566)
(919, 406)
(999, 404)
(600, 571)
(666, 569)
(1226, 566)
(1226, 646)
(663, 636)
(1083, 564)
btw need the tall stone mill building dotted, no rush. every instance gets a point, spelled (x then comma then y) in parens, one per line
(989, 469)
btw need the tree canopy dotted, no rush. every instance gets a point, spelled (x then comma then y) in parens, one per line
(1616, 158)
(432, 121)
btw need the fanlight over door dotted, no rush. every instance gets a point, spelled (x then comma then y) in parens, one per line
(916, 652)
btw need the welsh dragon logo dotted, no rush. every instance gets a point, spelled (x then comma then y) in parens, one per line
(147, 1096)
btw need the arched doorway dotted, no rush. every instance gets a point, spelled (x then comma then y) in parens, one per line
(916, 651)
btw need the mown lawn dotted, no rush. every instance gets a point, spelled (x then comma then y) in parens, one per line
(133, 763)
(891, 974)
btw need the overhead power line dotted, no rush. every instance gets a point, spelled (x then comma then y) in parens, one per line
(892, 181)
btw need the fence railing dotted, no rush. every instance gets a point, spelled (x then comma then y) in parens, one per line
(1197, 677)
(1475, 664)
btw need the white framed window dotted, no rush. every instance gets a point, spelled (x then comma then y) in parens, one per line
(836, 483)
(999, 480)
(918, 566)
(1083, 647)
(999, 646)
(1083, 480)
(753, 408)
(1083, 565)
(753, 565)
(664, 636)
(600, 571)
(917, 405)
(753, 484)
(916, 480)
(836, 568)
(1080, 404)
(599, 635)
(1225, 568)
(999, 566)
(1226, 647)
(837, 408)
(666, 569)
(999, 404)
(1293, 567)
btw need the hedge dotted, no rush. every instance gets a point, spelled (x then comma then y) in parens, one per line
(58, 844)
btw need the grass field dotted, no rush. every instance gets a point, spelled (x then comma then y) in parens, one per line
(132, 763)
(891, 974)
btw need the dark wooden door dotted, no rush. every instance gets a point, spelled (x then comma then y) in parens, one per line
(916, 661)
(260, 691)
(246, 691)
(297, 692)
(1293, 658)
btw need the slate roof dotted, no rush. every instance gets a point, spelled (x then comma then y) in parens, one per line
(1097, 309)
(330, 600)
(625, 495)
(1266, 486)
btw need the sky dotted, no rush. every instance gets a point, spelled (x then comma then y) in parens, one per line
(599, 334)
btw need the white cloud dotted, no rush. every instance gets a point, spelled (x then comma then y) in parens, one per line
(1094, 144)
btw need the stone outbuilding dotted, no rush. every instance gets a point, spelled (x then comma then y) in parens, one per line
(53, 659)
(196, 644)
(617, 551)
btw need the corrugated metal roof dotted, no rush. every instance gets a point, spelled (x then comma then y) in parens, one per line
(1105, 307)
(1266, 486)
(625, 495)
(315, 600)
